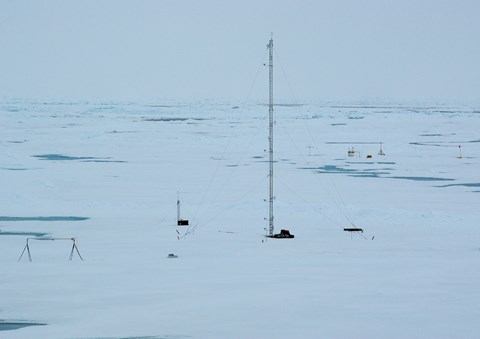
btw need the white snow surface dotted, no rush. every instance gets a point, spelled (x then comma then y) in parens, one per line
(417, 278)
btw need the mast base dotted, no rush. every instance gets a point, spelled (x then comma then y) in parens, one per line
(182, 222)
(284, 234)
(353, 229)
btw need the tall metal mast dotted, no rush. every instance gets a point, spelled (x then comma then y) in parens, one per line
(270, 137)
(178, 206)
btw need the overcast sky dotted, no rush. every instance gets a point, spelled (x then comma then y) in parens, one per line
(194, 49)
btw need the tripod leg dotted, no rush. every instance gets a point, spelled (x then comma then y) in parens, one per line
(76, 248)
(71, 252)
(22, 253)
(29, 256)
